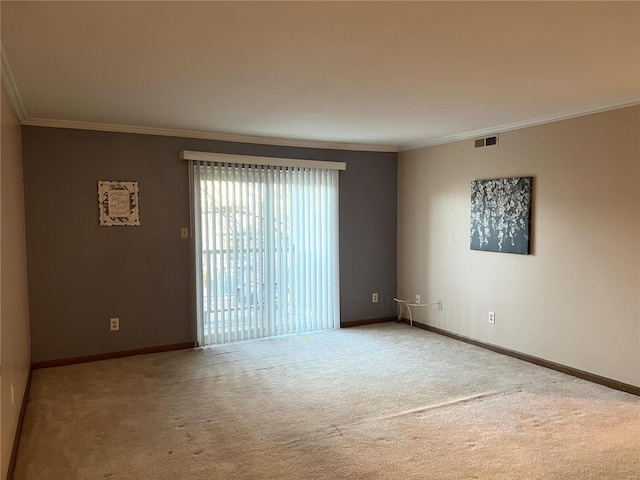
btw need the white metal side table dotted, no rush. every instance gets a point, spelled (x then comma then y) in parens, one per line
(409, 304)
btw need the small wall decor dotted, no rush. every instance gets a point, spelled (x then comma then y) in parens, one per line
(501, 214)
(118, 203)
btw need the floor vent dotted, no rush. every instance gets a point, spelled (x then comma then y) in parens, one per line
(487, 141)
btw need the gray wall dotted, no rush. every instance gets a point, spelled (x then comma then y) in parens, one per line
(81, 274)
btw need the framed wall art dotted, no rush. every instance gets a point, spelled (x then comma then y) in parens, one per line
(501, 215)
(118, 203)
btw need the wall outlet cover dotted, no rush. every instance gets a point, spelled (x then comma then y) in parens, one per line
(114, 324)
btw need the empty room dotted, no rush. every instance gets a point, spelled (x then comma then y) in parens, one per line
(320, 240)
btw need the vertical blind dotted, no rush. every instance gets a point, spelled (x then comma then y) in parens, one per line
(266, 250)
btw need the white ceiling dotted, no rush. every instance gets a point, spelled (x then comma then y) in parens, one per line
(391, 75)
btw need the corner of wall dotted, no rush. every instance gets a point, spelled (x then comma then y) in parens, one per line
(15, 350)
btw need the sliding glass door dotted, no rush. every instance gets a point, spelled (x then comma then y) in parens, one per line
(266, 250)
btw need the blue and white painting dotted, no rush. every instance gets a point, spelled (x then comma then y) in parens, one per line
(501, 214)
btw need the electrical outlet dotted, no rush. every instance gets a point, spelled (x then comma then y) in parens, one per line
(374, 298)
(114, 324)
(184, 233)
(417, 298)
(492, 317)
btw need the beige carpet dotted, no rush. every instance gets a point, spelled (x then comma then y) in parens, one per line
(377, 402)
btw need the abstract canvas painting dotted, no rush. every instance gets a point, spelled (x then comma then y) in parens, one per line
(501, 215)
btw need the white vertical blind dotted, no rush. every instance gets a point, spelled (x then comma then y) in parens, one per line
(266, 250)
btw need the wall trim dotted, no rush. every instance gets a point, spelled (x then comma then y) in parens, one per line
(107, 356)
(16, 99)
(241, 138)
(367, 321)
(574, 372)
(9, 83)
(566, 115)
(18, 432)
(226, 137)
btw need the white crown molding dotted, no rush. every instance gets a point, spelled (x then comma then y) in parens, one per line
(629, 102)
(227, 137)
(9, 83)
